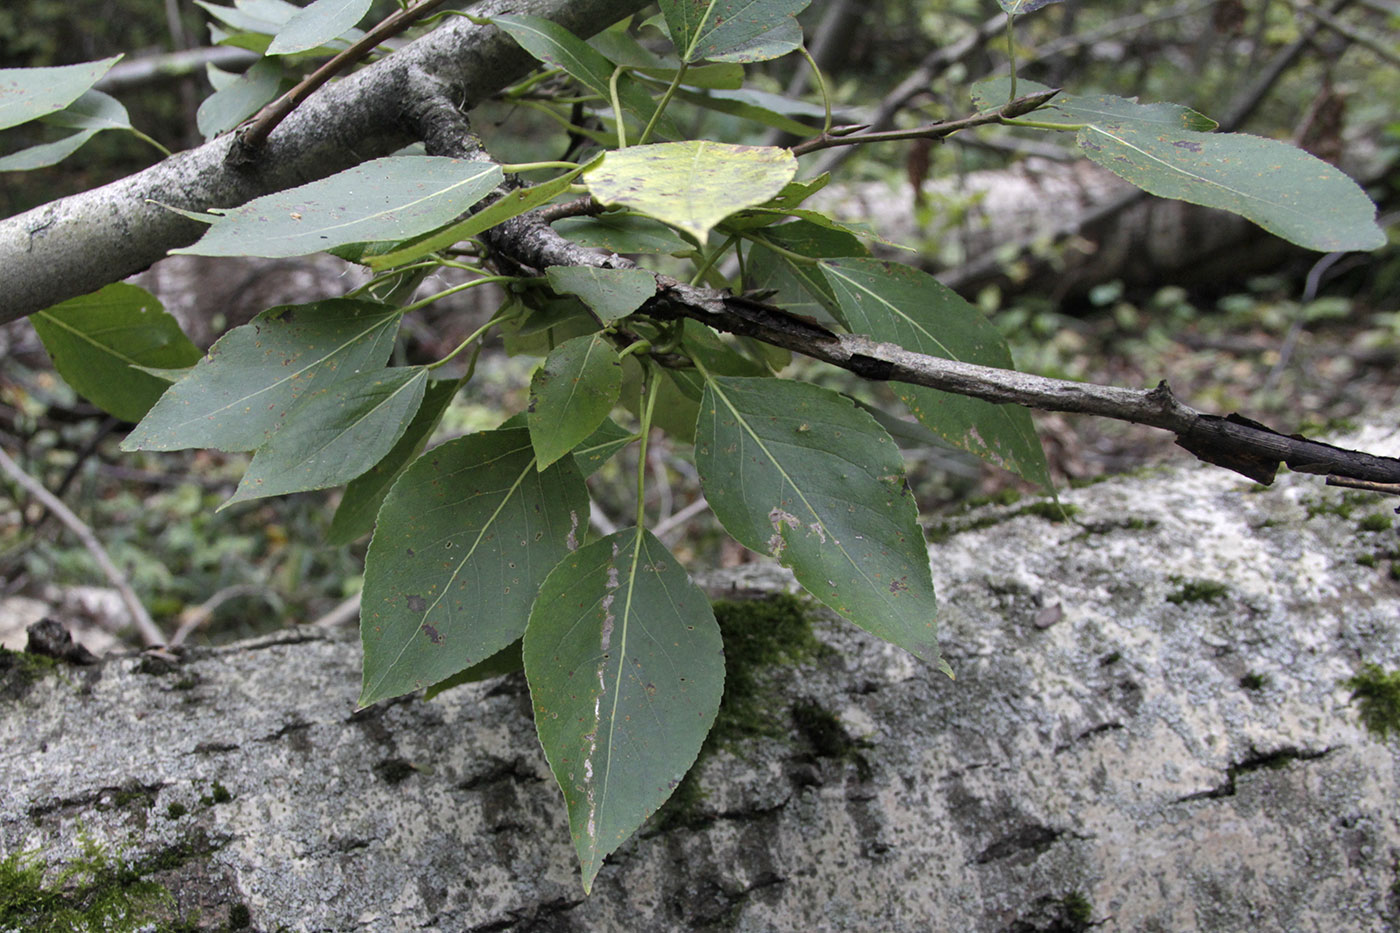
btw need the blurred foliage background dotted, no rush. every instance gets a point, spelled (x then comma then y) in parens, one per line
(1309, 344)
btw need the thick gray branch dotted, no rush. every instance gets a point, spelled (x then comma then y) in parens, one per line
(78, 244)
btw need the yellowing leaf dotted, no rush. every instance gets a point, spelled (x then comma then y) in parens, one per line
(691, 185)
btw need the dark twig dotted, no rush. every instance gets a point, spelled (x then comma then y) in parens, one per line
(859, 135)
(1351, 33)
(250, 139)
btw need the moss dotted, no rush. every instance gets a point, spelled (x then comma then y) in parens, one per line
(1342, 507)
(394, 770)
(1394, 570)
(1375, 522)
(1253, 681)
(1051, 510)
(189, 682)
(828, 738)
(94, 892)
(1077, 909)
(239, 917)
(218, 793)
(1377, 695)
(1004, 497)
(759, 634)
(1197, 591)
(20, 670)
(176, 810)
(1367, 560)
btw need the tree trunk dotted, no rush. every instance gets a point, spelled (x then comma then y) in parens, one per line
(1149, 730)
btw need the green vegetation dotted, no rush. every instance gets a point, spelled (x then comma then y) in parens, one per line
(93, 893)
(687, 345)
(1376, 522)
(1197, 591)
(1377, 695)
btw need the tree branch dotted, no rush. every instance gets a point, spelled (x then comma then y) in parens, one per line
(857, 136)
(250, 139)
(1234, 442)
(78, 244)
(140, 618)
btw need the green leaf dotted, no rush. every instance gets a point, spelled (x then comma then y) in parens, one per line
(1020, 7)
(226, 108)
(464, 540)
(499, 211)
(571, 394)
(29, 93)
(545, 327)
(334, 434)
(93, 111)
(903, 306)
(626, 669)
(1285, 190)
(365, 494)
(691, 185)
(733, 30)
(554, 45)
(385, 199)
(611, 293)
(1165, 149)
(317, 24)
(45, 154)
(760, 107)
(798, 472)
(620, 232)
(99, 344)
(1072, 109)
(599, 447)
(801, 287)
(622, 49)
(89, 114)
(505, 661)
(722, 76)
(266, 18)
(239, 394)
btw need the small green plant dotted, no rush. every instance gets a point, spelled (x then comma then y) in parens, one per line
(1376, 522)
(1377, 696)
(666, 282)
(1197, 591)
(94, 892)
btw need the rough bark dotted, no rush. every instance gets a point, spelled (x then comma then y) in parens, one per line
(78, 244)
(1149, 731)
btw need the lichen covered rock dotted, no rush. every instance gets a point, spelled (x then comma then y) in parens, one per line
(1151, 729)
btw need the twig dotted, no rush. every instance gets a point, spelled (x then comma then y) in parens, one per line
(580, 207)
(1234, 442)
(1248, 100)
(149, 631)
(917, 82)
(860, 135)
(250, 139)
(155, 69)
(1349, 32)
(192, 619)
(680, 518)
(341, 614)
(1389, 489)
